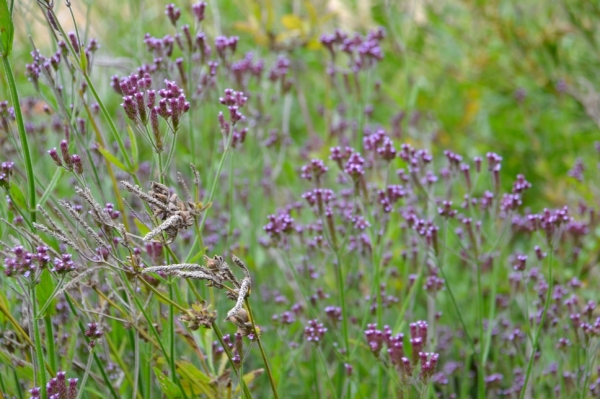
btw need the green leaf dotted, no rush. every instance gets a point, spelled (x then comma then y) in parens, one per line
(44, 291)
(141, 227)
(17, 195)
(24, 370)
(112, 159)
(249, 378)
(168, 387)
(83, 63)
(134, 148)
(55, 179)
(197, 379)
(7, 29)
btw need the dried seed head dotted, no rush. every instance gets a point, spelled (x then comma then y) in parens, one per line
(199, 315)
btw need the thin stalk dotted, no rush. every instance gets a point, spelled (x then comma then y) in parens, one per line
(211, 194)
(50, 342)
(105, 113)
(118, 358)
(111, 173)
(340, 278)
(480, 374)
(96, 359)
(315, 374)
(17, 384)
(162, 297)
(262, 350)
(541, 325)
(2, 387)
(14, 94)
(39, 366)
(86, 374)
(318, 350)
(217, 331)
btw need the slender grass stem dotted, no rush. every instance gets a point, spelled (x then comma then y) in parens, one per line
(217, 331)
(17, 384)
(50, 342)
(14, 94)
(324, 363)
(99, 364)
(480, 312)
(37, 339)
(262, 350)
(542, 321)
(211, 195)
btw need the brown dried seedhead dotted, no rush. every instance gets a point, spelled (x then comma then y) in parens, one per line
(199, 315)
(175, 214)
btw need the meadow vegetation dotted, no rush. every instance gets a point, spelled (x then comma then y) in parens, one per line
(299, 199)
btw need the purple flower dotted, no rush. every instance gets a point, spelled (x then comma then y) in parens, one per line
(314, 332)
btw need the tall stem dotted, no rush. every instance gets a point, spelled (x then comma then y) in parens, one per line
(37, 339)
(262, 351)
(480, 374)
(22, 135)
(541, 325)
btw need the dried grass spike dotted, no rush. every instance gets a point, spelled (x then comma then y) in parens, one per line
(175, 268)
(137, 191)
(241, 265)
(242, 293)
(82, 222)
(168, 224)
(188, 195)
(55, 234)
(98, 213)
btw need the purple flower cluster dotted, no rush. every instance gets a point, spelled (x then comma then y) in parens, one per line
(315, 170)
(314, 331)
(58, 387)
(93, 332)
(6, 171)
(139, 101)
(377, 339)
(72, 163)
(279, 225)
(234, 100)
(64, 264)
(25, 263)
(47, 67)
(362, 51)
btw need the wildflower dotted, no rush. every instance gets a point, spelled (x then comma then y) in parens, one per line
(314, 331)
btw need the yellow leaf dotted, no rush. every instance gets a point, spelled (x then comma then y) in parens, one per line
(312, 13)
(292, 22)
(314, 44)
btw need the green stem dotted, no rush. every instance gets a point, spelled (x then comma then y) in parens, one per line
(211, 195)
(342, 289)
(99, 364)
(39, 367)
(17, 384)
(50, 342)
(541, 325)
(480, 374)
(22, 135)
(262, 350)
(105, 113)
(217, 331)
(318, 349)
